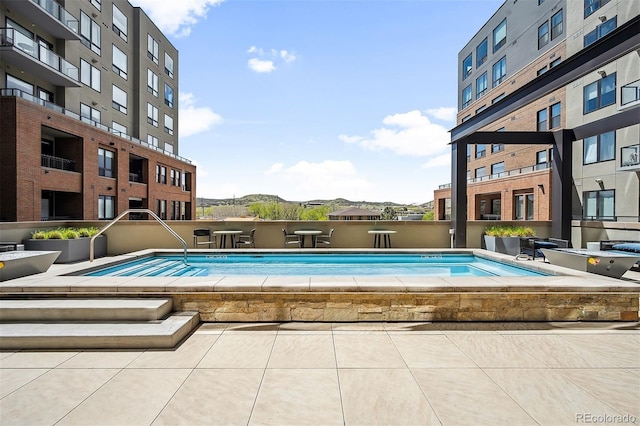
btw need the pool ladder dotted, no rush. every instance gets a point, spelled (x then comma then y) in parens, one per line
(150, 213)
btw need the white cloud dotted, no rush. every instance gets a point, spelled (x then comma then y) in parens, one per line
(410, 133)
(287, 56)
(327, 179)
(275, 168)
(194, 119)
(176, 17)
(443, 113)
(261, 66)
(255, 50)
(443, 160)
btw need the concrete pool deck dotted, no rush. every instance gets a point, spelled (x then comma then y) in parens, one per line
(567, 295)
(339, 373)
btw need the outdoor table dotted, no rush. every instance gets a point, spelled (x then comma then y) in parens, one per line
(594, 261)
(303, 234)
(386, 235)
(223, 237)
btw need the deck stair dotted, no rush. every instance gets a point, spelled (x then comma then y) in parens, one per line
(83, 323)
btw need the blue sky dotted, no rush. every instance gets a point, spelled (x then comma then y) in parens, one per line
(318, 99)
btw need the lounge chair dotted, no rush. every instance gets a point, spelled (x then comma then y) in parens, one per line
(244, 240)
(203, 232)
(622, 246)
(291, 239)
(324, 239)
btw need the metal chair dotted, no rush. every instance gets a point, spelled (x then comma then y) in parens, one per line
(246, 239)
(203, 232)
(291, 239)
(324, 239)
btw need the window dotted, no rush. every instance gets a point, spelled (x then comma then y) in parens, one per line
(600, 31)
(168, 124)
(96, 3)
(591, 6)
(467, 66)
(556, 111)
(500, 35)
(497, 147)
(467, 96)
(523, 205)
(44, 95)
(468, 153)
(599, 205)
(152, 83)
(481, 150)
(89, 113)
(481, 53)
(542, 70)
(630, 93)
(89, 75)
(119, 99)
(168, 148)
(543, 35)
(119, 25)
(481, 172)
(600, 147)
(168, 65)
(163, 175)
(152, 140)
(555, 63)
(541, 157)
(119, 65)
(499, 71)
(497, 98)
(556, 25)
(152, 48)
(105, 162)
(118, 129)
(600, 93)
(481, 85)
(89, 33)
(16, 83)
(482, 108)
(162, 209)
(152, 115)
(497, 168)
(542, 119)
(168, 95)
(106, 207)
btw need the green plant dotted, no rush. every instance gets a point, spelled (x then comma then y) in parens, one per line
(509, 231)
(64, 233)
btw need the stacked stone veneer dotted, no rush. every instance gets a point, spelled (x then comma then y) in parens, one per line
(468, 306)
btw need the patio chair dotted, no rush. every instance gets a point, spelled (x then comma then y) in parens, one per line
(203, 232)
(291, 239)
(246, 240)
(532, 246)
(324, 239)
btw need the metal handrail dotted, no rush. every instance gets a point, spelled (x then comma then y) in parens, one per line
(150, 213)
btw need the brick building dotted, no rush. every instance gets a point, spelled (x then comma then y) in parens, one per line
(543, 71)
(88, 113)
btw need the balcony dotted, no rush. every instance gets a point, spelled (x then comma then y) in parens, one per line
(26, 54)
(58, 163)
(630, 94)
(48, 15)
(630, 158)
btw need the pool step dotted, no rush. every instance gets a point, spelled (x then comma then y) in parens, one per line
(93, 324)
(157, 267)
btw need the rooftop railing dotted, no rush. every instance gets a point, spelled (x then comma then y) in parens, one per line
(20, 94)
(10, 37)
(514, 172)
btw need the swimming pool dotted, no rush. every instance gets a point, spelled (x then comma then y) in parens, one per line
(338, 264)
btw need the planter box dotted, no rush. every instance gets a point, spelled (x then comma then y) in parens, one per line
(71, 250)
(505, 245)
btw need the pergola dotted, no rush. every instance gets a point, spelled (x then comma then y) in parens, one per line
(611, 47)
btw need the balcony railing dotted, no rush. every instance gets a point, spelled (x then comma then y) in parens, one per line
(10, 37)
(135, 177)
(630, 93)
(20, 94)
(514, 172)
(60, 13)
(630, 156)
(58, 163)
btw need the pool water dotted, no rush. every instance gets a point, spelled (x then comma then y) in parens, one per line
(436, 265)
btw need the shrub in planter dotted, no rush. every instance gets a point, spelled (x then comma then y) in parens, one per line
(73, 243)
(506, 238)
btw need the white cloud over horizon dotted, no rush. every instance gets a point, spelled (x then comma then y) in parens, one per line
(176, 17)
(443, 113)
(268, 64)
(195, 119)
(260, 66)
(410, 134)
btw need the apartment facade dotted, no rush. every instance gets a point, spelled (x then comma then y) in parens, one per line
(89, 113)
(518, 81)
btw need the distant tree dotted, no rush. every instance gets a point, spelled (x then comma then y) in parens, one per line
(315, 213)
(388, 213)
(429, 215)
